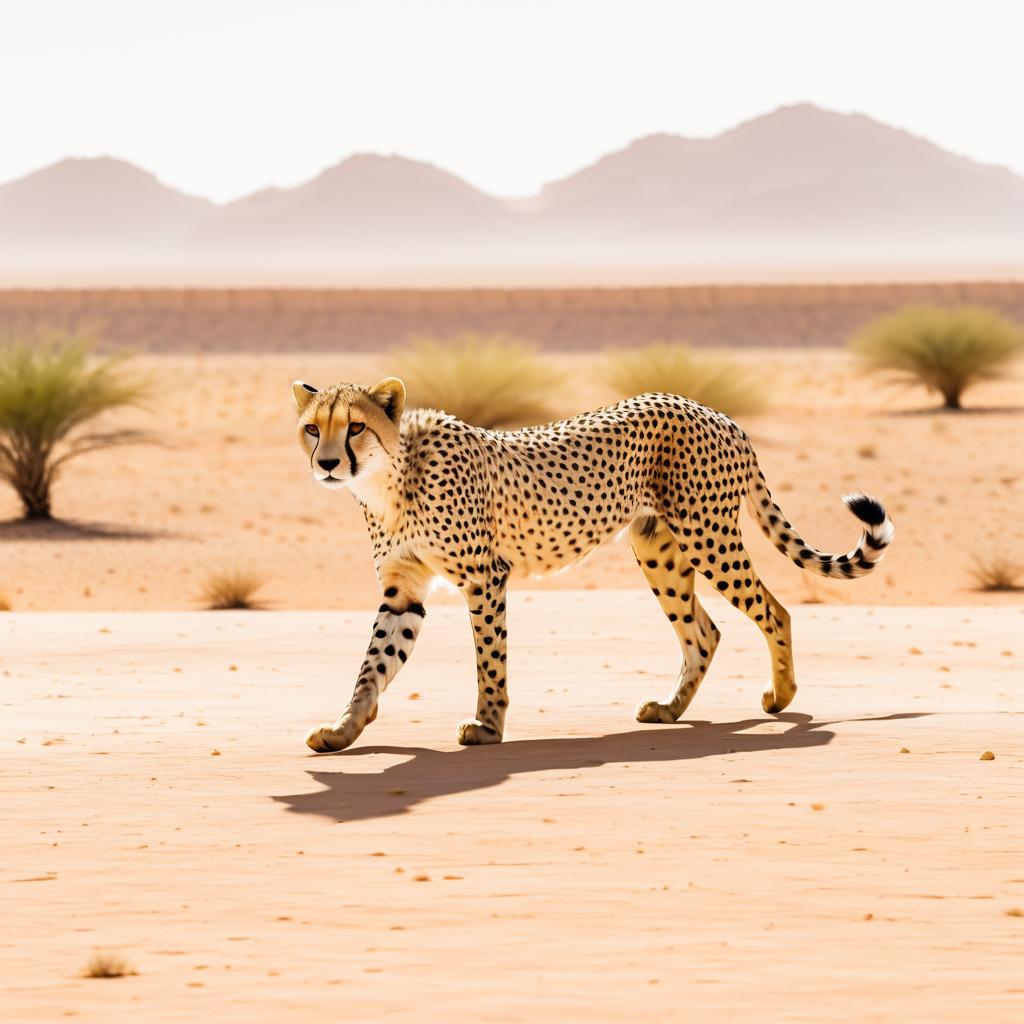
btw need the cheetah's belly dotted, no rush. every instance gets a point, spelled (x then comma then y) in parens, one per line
(538, 549)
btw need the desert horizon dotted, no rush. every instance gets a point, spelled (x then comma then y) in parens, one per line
(696, 271)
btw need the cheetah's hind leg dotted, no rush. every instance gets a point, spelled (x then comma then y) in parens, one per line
(734, 577)
(671, 579)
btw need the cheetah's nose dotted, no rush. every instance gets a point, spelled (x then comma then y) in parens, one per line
(328, 464)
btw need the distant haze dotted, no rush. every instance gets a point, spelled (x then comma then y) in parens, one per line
(798, 193)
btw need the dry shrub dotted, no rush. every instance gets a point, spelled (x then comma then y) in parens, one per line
(673, 367)
(944, 349)
(813, 593)
(489, 380)
(108, 965)
(51, 391)
(232, 589)
(997, 572)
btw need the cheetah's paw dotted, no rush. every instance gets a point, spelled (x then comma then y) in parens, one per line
(653, 712)
(773, 704)
(327, 739)
(473, 733)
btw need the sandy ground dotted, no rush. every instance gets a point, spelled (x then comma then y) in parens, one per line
(733, 867)
(227, 486)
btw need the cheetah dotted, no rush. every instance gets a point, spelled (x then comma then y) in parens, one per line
(478, 507)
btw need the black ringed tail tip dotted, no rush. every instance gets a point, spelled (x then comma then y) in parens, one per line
(866, 509)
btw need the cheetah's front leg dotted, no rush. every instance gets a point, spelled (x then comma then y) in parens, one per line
(486, 600)
(394, 634)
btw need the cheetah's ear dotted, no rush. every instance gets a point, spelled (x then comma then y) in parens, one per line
(389, 394)
(302, 393)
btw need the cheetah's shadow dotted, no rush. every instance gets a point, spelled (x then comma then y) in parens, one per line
(434, 773)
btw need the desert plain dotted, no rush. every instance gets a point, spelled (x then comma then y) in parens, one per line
(853, 859)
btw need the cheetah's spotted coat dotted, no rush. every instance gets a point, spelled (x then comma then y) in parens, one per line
(476, 507)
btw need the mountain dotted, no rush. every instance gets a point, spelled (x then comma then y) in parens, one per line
(800, 187)
(94, 205)
(799, 171)
(365, 201)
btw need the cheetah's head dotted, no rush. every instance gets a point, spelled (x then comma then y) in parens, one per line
(349, 432)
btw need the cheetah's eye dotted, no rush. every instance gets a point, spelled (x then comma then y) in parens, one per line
(312, 429)
(356, 428)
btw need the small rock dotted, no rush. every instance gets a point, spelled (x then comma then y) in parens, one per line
(987, 756)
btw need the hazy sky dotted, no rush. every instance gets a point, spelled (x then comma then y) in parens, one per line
(222, 97)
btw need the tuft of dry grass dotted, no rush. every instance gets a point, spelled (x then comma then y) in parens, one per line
(944, 349)
(673, 367)
(108, 965)
(489, 380)
(232, 589)
(997, 572)
(813, 593)
(5, 602)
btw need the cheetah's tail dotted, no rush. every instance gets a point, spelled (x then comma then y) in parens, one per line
(874, 541)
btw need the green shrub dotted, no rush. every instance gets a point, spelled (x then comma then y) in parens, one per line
(944, 349)
(489, 380)
(51, 391)
(673, 367)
